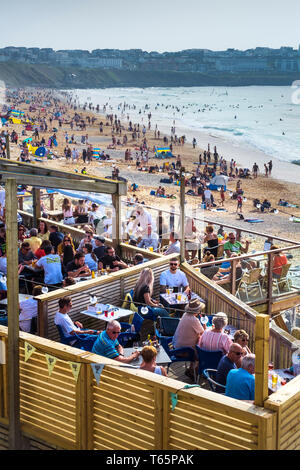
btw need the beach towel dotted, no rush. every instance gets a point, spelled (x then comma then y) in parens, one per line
(254, 221)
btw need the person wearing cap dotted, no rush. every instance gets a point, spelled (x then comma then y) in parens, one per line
(100, 247)
(189, 329)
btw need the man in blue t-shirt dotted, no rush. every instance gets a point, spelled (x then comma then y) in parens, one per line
(240, 383)
(107, 344)
(230, 361)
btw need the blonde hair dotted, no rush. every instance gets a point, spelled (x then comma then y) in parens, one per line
(146, 279)
(148, 353)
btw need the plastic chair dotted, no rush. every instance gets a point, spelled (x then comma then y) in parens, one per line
(284, 279)
(168, 325)
(85, 342)
(250, 281)
(3, 318)
(207, 360)
(125, 337)
(176, 355)
(210, 375)
(136, 322)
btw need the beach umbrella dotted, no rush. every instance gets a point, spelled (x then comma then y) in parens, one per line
(40, 152)
(29, 139)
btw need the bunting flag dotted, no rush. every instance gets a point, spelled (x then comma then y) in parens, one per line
(75, 368)
(97, 370)
(29, 350)
(51, 361)
(174, 400)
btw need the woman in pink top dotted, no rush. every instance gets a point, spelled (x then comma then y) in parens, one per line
(215, 339)
(189, 329)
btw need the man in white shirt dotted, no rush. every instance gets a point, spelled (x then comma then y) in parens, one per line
(51, 264)
(173, 278)
(144, 225)
(207, 196)
(29, 310)
(174, 247)
(64, 321)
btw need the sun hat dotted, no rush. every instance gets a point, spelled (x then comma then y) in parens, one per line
(194, 306)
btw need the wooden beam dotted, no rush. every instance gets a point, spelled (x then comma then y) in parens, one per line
(270, 282)
(262, 332)
(32, 169)
(36, 205)
(182, 213)
(13, 314)
(117, 221)
(61, 183)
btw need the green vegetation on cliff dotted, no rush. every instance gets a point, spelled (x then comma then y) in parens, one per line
(40, 75)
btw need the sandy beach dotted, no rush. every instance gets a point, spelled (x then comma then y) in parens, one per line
(271, 188)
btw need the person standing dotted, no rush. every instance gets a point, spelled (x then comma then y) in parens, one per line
(51, 265)
(239, 204)
(270, 164)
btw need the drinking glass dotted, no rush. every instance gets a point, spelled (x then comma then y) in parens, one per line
(107, 268)
(150, 248)
(274, 380)
(44, 290)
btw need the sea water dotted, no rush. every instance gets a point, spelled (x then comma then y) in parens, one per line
(266, 118)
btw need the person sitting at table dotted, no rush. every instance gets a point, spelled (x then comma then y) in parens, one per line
(34, 241)
(174, 246)
(211, 238)
(43, 232)
(143, 292)
(189, 329)
(149, 241)
(81, 212)
(90, 258)
(279, 260)
(231, 360)
(149, 354)
(51, 264)
(241, 337)
(63, 319)
(89, 234)
(234, 246)
(240, 383)
(68, 281)
(100, 247)
(173, 278)
(111, 260)
(223, 276)
(67, 211)
(66, 242)
(25, 255)
(29, 310)
(209, 271)
(78, 268)
(107, 344)
(138, 259)
(40, 252)
(55, 237)
(214, 339)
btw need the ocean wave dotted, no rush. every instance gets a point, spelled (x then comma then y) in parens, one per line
(225, 129)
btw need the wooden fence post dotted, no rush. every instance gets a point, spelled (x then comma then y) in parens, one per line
(182, 214)
(7, 147)
(270, 282)
(262, 332)
(36, 205)
(117, 225)
(166, 419)
(11, 204)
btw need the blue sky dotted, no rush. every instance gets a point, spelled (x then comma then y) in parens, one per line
(161, 25)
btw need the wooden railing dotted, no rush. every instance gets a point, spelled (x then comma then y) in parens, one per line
(79, 415)
(285, 403)
(108, 289)
(240, 315)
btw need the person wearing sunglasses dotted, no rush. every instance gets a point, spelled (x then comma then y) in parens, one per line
(232, 360)
(242, 338)
(173, 278)
(107, 344)
(25, 255)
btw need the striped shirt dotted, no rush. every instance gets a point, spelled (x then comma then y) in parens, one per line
(104, 346)
(213, 341)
